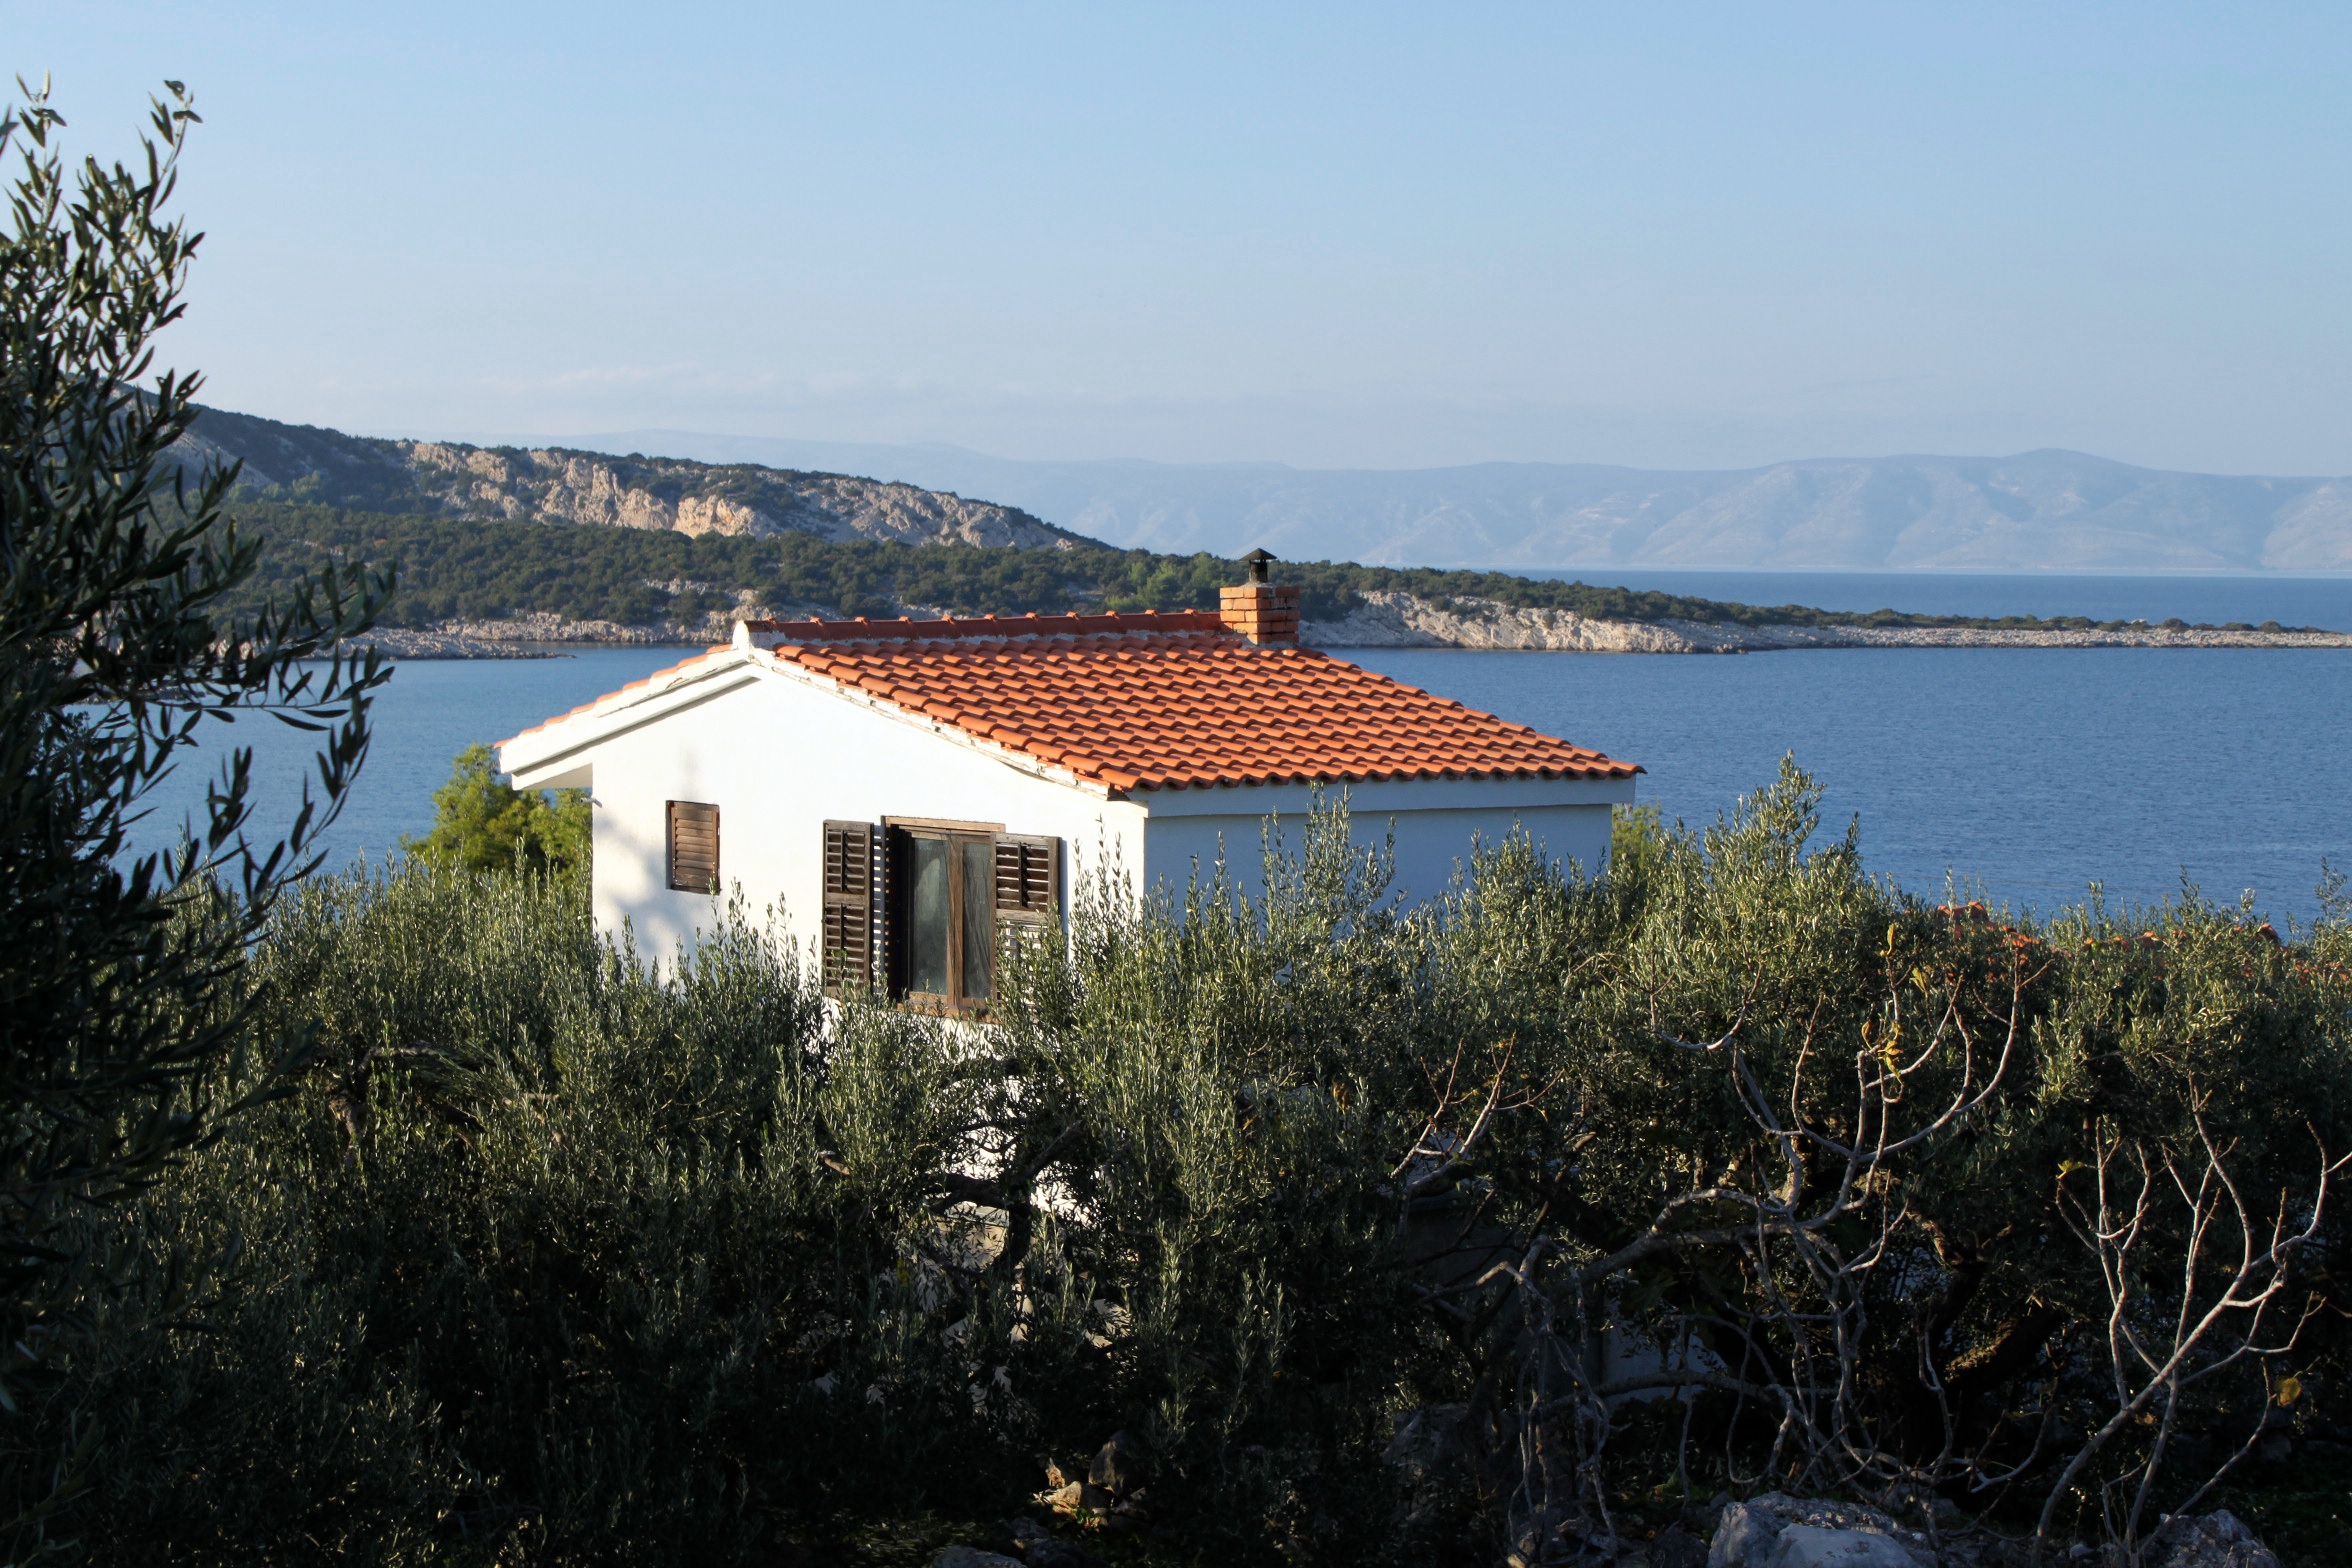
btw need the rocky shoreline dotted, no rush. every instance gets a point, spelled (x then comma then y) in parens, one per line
(534, 636)
(1396, 620)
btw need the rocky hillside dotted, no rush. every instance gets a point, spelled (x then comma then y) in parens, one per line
(555, 485)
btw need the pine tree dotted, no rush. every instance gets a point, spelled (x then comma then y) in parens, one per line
(483, 823)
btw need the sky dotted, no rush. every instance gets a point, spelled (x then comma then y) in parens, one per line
(1355, 235)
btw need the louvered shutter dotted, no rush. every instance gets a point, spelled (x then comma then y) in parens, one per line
(694, 847)
(847, 939)
(1028, 880)
(890, 850)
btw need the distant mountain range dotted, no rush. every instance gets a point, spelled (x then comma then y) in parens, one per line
(2048, 510)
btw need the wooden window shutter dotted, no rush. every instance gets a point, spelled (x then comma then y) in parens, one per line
(1028, 880)
(694, 847)
(890, 850)
(847, 940)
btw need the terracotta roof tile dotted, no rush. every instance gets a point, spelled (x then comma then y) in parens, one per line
(1170, 701)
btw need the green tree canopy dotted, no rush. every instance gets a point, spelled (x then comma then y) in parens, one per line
(483, 823)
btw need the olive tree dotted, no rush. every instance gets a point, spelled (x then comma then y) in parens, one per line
(122, 971)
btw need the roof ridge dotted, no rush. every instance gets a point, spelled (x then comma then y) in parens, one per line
(967, 627)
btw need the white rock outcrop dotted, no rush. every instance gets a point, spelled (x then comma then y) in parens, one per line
(1387, 619)
(552, 485)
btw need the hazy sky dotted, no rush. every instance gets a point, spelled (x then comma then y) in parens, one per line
(1667, 235)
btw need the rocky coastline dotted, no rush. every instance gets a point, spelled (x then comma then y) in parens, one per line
(1398, 620)
(532, 636)
(1395, 620)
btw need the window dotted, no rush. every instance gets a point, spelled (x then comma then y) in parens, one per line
(694, 847)
(923, 908)
(948, 927)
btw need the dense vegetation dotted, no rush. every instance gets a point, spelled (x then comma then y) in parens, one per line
(453, 569)
(1336, 1212)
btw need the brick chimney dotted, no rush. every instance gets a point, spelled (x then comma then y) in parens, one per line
(1261, 612)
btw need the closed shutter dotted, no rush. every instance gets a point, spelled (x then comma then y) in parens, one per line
(1028, 880)
(847, 940)
(694, 847)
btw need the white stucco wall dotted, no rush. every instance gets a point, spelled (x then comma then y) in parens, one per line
(1436, 822)
(779, 755)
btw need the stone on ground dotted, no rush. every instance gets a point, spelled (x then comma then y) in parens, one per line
(2216, 1540)
(1118, 1467)
(1749, 1535)
(1810, 1546)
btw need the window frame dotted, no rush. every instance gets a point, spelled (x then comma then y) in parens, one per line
(865, 926)
(670, 819)
(901, 834)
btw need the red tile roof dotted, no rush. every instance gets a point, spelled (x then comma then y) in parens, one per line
(1170, 701)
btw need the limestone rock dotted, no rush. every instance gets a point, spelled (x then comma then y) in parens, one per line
(2215, 1540)
(1118, 1466)
(1750, 1536)
(555, 485)
(1810, 1546)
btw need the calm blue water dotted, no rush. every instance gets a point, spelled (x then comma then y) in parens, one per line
(2291, 601)
(2026, 772)
(432, 710)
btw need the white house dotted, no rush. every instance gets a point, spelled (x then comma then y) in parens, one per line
(906, 787)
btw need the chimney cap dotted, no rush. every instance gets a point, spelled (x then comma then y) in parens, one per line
(1257, 561)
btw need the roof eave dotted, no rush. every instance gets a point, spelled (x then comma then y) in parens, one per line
(559, 743)
(1390, 776)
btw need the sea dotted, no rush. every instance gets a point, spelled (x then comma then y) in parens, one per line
(2322, 601)
(2034, 778)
